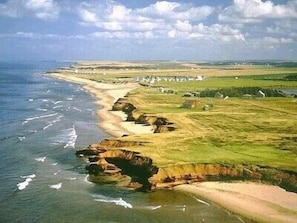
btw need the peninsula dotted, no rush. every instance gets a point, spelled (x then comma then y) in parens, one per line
(183, 123)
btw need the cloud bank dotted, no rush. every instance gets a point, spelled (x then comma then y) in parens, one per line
(243, 24)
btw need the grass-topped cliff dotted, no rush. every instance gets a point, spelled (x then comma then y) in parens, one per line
(231, 130)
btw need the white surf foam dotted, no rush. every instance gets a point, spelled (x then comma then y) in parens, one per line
(46, 116)
(38, 117)
(57, 102)
(72, 138)
(201, 201)
(116, 201)
(57, 172)
(24, 184)
(47, 126)
(77, 109)
(29, 176)
(86, 180)
(40, 159)
(58, 106)
(21, 138)
(41, 109)
(153, 207)
(53, 122)
(57, 119)
(56, 186)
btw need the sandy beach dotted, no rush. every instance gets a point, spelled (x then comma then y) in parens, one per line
(255, 201)
(112, 122)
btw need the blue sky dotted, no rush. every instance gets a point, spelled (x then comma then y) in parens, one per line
(148, 30)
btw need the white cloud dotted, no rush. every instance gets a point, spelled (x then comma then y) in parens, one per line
(157, 19)
(251, 11)
(42, 9)
(219, 32)
(215, 32)
(183, 26)
(39, 36)
(274, 40)
(175, 10)
(122, 35)
(119, 13)
(161, 8)
(87, 16)
(249, 24)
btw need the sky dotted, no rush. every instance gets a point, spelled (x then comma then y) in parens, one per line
(200, 30)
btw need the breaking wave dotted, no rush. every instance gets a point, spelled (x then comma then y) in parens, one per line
(38, 117)
(56, 186)
(24, 184)
(116, 201)
(72, 138)
(40, 159)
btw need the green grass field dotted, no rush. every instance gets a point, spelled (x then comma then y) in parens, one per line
(261, 131)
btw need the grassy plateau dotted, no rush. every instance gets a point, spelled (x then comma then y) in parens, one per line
(235, 130)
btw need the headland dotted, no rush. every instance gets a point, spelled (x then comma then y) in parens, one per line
(134, 143)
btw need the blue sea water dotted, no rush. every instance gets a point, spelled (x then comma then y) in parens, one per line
(43, 121)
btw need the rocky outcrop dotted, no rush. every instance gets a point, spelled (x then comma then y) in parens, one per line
(188, 173)
(112, 163)
(159, 124)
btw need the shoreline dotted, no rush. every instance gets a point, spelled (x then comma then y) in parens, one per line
(255, 201)
(112, 122)
(269, 203)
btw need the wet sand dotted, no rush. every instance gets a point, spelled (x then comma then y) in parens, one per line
(255, 201)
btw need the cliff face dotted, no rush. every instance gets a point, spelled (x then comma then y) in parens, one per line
(188, 173)
(159, 124)
(110, 161)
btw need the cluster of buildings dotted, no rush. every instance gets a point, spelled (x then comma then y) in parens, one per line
(154, 79)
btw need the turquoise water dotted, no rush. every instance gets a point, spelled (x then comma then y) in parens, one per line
(43, 121)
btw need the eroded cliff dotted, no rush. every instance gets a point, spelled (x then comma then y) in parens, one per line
(160, 124)
(112, 160)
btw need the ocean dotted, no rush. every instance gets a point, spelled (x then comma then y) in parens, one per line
(43, 121)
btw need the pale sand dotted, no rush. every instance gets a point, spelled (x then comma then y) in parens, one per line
(107, 94)
(258, 202)
(255, 201)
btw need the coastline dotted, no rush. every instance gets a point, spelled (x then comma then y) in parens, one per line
(255, 201)
(112, 122)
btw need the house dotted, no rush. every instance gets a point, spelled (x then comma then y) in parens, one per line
(191, 104)
(261, 94)
(188, 94)
(246, 96)
(171, 91)
(161, 90)
(196, 94)
(219, 95)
